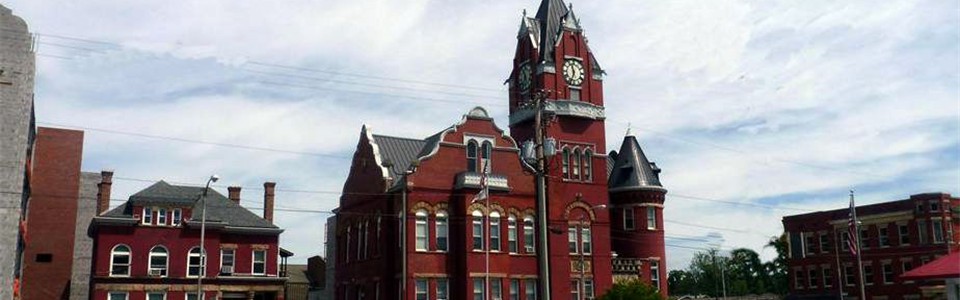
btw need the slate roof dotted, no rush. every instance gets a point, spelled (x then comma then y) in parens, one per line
(400, 151)
(631, 169)
(219, 207)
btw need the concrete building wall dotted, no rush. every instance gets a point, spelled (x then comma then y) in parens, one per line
(83, 243)
(16, 103)
(330, 252)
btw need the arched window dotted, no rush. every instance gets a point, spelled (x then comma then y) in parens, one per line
(442, 231)
(566, 163)
(120, 261)
(472, 156)
(158, 261)
(588, 165)
(576, 164)
(528, 239)
(194, 263)
(477, 230)
(421, 230)
(486, 151)
(495, 231)
(512, 234)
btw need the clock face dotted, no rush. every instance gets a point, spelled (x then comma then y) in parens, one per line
(525, 78)
(573, 72)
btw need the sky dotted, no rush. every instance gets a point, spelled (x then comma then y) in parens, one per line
(753, 109)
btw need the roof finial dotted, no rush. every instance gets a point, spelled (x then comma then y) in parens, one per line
(524, 12)
(629, 131)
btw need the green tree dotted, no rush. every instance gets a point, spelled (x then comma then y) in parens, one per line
(632, 290)
(746, 273)
(777, 269)
(681, 282)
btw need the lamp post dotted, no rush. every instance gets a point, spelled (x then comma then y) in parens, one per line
(583, 285)
(203, 231)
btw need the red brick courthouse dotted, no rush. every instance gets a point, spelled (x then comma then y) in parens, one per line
(407, 224)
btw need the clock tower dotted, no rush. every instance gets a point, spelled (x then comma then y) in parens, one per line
(553, 62)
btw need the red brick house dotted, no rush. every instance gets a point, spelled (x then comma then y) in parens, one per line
(407, 226)
(147, 248)
(896, 237)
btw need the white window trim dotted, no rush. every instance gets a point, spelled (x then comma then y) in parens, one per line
(233, 259)
(161, 214)
(126, 295)
(494, 220)
(473, 224)
(253, 262)
(416, 231)
(651, 212)
(203, 269)
(533, 229)
(446, 231)
(176, 217)
(146, 216)
(164, 294)
(512, 229)
(586, 237)
(166, 267)
(631, 212)
(113, 253)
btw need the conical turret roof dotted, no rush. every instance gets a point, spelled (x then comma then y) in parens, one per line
(631, 170)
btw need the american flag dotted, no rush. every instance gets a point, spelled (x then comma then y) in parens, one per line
(484, 191)
(852, 229)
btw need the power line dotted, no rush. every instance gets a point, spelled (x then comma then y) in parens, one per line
(312, 70)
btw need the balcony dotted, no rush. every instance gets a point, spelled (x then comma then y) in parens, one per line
(471, 180)
(560, 108)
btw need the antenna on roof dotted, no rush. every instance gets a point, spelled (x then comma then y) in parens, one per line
(629, 131)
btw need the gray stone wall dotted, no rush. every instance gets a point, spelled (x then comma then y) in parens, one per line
(83, 243)
(330, 252)
(16, 103)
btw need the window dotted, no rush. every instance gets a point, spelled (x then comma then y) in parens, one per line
(346, 252)
(566, 163)
(162, 216)
(156, 296)
(147, 216)
(575, 289)
(629, 219)
(798, 279)
(443, 289)
(937, 231)
(935, 205)
(586, 241)
(259, 262)
(194, 263)
(868, 274)
(366, 240)
(158, 262)
(120, 261)
(361, 239)
(865, 238)
(575, 165)
(887, 273)
(922, 231)
(848, 275)
(495, 231)
(651, 218)
(472, 156)
(177, 217)
(574, 94)
(528, 243)
(825, 243)
(587, 165)
(655, 274)
(812, 277)
(906, 265)
(827, 277)
(572, 239)
(884, 238)
(479, 289)
(808, 241)
(904, 234)
(118, 296)
(227, 260)
(512, 234)
(477, 230)
(44, 257)
(530, 289)
(193, 296)
(588, 289)
(421, 289)
(514, 289)
(485, 152)
(442, 231)
(496, 289)
(421, 231)
(845, 241)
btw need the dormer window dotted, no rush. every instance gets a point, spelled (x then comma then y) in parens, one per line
(162, 216)
(177, 217)
(147, 216)
(472, 156)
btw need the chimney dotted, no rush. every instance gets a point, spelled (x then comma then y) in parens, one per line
(316, 271)
(234, 194)
(268, 200)
(103, 191)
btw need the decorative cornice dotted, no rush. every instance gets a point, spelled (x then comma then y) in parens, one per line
(561, 108)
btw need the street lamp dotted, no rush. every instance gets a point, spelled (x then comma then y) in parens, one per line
(203, 231)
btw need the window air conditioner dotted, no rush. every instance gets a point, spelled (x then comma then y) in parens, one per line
(226, 270)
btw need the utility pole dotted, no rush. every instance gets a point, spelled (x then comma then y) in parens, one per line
(543, 254)
(856, 224)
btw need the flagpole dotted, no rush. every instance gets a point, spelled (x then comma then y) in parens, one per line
(856, 224)
(486, 194)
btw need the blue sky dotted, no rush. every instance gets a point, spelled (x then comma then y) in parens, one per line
(776, 105)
